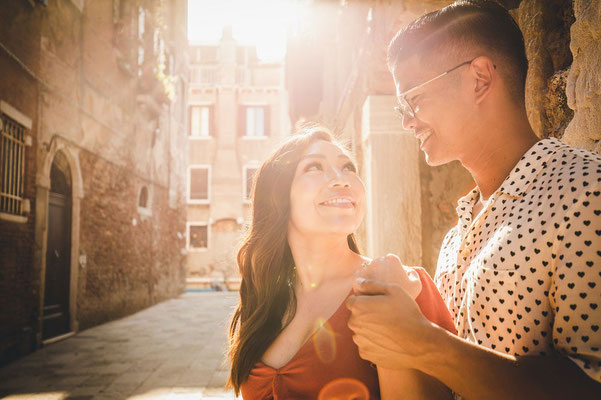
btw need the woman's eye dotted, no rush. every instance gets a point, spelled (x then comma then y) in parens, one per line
(314, 166)
(349, 167)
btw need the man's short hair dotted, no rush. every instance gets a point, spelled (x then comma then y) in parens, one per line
(463, 29)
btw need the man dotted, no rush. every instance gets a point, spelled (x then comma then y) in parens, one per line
(521, 271)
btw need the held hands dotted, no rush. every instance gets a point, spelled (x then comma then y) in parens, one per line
(388, 326)
(390, 270)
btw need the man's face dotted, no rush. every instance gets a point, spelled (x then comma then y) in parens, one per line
(441, 121)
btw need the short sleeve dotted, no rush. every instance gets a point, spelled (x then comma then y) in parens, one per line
(431, 304)
(575, 292)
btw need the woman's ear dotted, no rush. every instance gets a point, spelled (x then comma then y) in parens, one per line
(484, 75)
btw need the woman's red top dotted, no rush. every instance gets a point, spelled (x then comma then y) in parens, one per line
(331, 357)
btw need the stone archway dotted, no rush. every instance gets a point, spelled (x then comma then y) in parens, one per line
(62, 155)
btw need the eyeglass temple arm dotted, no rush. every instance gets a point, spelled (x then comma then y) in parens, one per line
(436, 77)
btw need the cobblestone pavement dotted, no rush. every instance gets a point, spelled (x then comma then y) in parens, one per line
(174, 350)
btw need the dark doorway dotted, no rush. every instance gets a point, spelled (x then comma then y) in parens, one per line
(58, 254)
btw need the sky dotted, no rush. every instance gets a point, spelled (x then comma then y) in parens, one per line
(254, 22)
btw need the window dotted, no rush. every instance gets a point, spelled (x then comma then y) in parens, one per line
(13, 140)
(201, 118)
(199, 184)
(143, 200)
(248, 174)
(198, 236)
(253, 121)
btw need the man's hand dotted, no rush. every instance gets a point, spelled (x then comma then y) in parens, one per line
(390, 270)
(388, 326)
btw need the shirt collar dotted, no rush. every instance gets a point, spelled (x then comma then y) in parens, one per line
(523, 175)
(465, 207)
(519, 180)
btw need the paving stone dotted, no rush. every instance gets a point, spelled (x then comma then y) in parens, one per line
(174, 350)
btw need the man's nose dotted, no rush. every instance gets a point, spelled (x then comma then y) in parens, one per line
(409, 122)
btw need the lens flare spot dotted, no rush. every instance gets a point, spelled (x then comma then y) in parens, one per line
(344, 389)
(324, 341)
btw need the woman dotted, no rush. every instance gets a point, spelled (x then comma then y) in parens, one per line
(289, 335)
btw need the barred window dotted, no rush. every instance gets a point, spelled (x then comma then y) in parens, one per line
(12, 165)
(198, 236)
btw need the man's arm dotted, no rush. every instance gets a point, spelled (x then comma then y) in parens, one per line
(391, 332)
(412, 384)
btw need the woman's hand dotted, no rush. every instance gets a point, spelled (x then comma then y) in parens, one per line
(389, 269)
(388, 326)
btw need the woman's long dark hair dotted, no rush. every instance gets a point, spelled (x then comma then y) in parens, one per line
(267, 300)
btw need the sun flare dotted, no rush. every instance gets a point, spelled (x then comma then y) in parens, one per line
(262, 23)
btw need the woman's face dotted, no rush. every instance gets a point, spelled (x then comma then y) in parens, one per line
(327, 195)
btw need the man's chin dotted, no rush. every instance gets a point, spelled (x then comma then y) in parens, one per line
(434, 161)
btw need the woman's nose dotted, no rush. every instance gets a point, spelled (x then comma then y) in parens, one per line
(337, 178)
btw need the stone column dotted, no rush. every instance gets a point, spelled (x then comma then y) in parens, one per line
(391, 173)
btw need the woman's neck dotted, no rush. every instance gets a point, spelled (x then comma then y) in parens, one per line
(321, 259)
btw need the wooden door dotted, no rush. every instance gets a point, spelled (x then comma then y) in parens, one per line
(58, 266)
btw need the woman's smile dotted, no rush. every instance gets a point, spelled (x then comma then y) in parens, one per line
(339, 202)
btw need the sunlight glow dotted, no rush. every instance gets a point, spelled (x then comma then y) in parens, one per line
(38, 396)
(344, 389)
(262, 23)
(324, 341)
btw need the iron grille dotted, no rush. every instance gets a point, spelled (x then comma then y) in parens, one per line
(12, 166)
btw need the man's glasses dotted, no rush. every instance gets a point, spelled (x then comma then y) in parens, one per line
(404, 108)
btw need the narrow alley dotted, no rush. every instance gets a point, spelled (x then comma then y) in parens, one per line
(174, 350)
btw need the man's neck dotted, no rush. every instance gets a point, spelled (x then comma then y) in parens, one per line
(498, 154)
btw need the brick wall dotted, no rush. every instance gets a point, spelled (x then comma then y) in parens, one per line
(133, 261)
(17, 277)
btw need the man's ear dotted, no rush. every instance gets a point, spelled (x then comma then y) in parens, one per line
(485, 75)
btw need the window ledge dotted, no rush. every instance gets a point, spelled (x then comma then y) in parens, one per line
(13, 218)
(197, 250)
(147, 212)
(255, 137)
(203, 202)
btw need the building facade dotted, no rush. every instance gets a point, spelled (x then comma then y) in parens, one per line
(92, 163)
(237, 114)
(337, 73)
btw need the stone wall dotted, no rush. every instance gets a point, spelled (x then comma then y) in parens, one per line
(584, 79)
(545, 25)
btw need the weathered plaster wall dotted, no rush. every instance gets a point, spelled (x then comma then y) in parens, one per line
(545, 25)
(584, 79)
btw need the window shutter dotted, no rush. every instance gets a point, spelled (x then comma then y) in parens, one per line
(267, 121)
(241, 120)
(212, 124)
(190, 120)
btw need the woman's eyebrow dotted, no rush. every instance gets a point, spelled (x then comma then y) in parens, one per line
(313, 156)
(323, 156)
